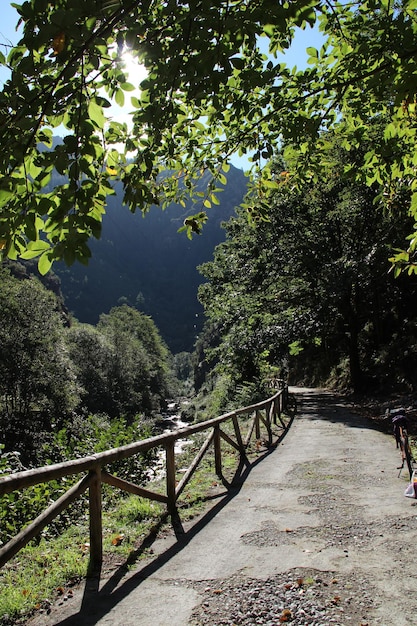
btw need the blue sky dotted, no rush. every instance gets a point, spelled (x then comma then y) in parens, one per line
(8, 21)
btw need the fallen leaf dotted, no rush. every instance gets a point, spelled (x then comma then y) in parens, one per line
(286, 615)
(116, 541)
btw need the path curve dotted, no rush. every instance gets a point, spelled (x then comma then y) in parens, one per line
(318, 533)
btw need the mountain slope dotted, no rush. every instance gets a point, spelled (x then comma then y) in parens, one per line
(146, 263)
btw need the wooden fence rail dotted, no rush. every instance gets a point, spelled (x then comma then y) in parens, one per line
(264, 415)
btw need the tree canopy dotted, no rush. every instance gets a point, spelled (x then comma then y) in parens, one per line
(38, 384)
(210, 91)
(309, 292)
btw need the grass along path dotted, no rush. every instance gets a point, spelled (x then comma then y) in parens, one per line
(48, 568)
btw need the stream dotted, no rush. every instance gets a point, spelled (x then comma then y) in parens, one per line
(169, 422)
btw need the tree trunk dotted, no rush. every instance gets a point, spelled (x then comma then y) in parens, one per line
(355, 370)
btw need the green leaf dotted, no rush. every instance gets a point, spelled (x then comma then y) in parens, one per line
(312, 52)
(5, 196)
(269, 30)
(95, 113)
(270, 184)
(120, 98)
(238, 63)
(44, 263)
(34, 249)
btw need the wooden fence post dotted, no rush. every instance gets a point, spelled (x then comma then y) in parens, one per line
(217, 451)
(268, 421)
(257, 425)
(274, 412)
(170, 471)
(96, 523)
(238, 435)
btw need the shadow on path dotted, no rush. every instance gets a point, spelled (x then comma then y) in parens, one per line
(330, 407)
(97, 603)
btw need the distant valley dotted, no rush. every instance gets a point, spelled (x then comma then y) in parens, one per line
(145, 262)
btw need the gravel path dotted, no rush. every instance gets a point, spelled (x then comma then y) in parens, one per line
(318, 534)
(299, 596)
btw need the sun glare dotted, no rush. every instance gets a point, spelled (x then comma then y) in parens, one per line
(135, 70)
(135, 74)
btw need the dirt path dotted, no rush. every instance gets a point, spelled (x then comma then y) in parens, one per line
(319, 533)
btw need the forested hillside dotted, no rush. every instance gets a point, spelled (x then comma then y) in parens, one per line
(62, 382)
(308, 293)
(146, 263)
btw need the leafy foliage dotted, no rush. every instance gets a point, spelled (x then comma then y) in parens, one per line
(38, 387)
(16, 506)
(52, 375)
(91, 354)
(78, 438)
(210, 91)
(308, 289)
(138, 366)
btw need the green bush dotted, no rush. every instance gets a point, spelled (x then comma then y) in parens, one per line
(79, 438)
(20, 507)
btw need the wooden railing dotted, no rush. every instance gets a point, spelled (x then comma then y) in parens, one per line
(264, 416)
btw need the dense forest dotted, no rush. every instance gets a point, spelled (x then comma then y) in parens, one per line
(56, 373)
(309, 293)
